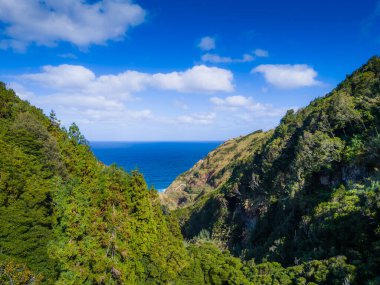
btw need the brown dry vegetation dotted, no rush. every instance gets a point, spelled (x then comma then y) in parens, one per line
(209, 173)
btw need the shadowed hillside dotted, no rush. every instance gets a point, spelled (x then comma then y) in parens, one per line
(309, 189)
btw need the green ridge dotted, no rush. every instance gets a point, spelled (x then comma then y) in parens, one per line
(310, 191)
(295, 205)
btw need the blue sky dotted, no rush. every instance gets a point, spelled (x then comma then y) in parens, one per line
(181, 70)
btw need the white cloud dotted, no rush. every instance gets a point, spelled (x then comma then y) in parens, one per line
(287, 75)
(197, 119)
(236, 102)
(214, 58)
(106, 115)
(63, 76)
(243, 103)
(78, 102)
(200, 78)
(83, 108)
(76, 92)
(21, 91)
(80, 23)
(80, 79)
(261, 53)
(207, 43)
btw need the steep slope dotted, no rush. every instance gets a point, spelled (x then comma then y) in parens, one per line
(67, 219)
(208, 174)
(311, 191)
(304, 200)
(70, 219)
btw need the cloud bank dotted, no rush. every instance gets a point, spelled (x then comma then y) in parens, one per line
(288, 76)
(75, 21)
(245, 107)
(79, 79)
(76, 92)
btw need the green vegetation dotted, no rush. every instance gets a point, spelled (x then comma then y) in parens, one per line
(70, 219)
(296, 205)
(310, 191)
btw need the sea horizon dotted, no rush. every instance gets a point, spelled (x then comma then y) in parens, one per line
(160, 162)
(158, 141)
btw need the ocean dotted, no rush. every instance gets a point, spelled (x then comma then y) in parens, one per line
(159, 162)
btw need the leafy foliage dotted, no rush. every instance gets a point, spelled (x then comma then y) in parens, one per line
(17, 274)
(311, 189)
(209, 265)
(296, 205)
(69, 218)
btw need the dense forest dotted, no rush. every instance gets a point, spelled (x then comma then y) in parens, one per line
(308, 191)
(67, 219)
(296, 205)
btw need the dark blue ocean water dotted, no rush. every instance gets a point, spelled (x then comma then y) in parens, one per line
(160, 162)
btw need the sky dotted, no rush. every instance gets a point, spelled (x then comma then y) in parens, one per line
(166, 70)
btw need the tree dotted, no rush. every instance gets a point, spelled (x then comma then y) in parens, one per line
(76, 136)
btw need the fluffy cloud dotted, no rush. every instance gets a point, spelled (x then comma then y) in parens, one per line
(261, 53)
(197, 119)
(63, 76)
(76, 92)
(288, 76)
(207, 43)
(242, 103)
(214, 58)
(50, 21)
(83, 108)
(200, 78)
(235, 102)
(77, 78)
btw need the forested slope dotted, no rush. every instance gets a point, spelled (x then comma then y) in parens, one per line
(311, 191)
(296, 205)
(70, 219)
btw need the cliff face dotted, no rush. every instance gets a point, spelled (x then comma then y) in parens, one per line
(297, 191)
(210, 173)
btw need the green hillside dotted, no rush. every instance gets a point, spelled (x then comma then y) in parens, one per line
(296, 205)
(67, 217)
(310, 191)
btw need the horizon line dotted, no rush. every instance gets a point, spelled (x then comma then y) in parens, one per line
(153, 141)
